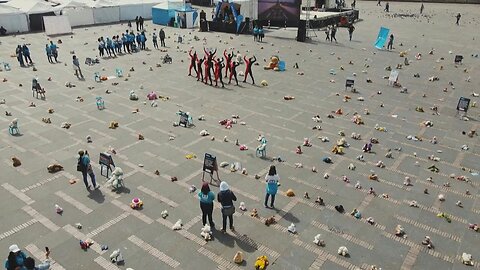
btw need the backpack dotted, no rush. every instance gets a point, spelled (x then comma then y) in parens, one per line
(80, 166)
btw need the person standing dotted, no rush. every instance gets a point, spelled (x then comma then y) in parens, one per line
(272, 179)
(30, 264)
(255, 34)
(351, 28)
(161, 35)
(19, 54)
(390, 42)
(76, 67)
(16, 258)
(379, 3)
(354, 3)
(125, 43)
(101, 47)
(54, 49)
(458, 18)
(26, 54)
(137, 23)
(228, 60)
(193, 61)
(154, 39)
(333, 32)
(85, 167)
(199, 68)
(261, 33)
(387, 7)
(226, 197)
(206, 197)
(140, 22)
(421, 8)
(233, 71)
(48, 51)
(248, 68)
(327, 33)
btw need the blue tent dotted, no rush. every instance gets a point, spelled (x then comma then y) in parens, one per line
(164, 12)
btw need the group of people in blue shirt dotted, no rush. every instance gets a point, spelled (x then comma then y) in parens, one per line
(258, 33)
(52, 52)
(129, 42)
(21, 52)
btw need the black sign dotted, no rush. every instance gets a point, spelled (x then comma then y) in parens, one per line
(210, 166)
(463, 104)
(349, 82)
(210, 163)
(183, 120)
(458, 59)
(106, 163)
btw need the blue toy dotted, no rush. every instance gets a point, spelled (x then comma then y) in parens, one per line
(100, 103)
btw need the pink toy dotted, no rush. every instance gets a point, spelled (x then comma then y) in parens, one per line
(152, 96)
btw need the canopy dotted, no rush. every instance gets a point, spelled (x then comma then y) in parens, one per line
(105, 11)
(129, 9)
(78, 13)
(31, 6)
(164, 12)
(13, 19)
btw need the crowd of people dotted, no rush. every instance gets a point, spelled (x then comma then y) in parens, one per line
(207, 65)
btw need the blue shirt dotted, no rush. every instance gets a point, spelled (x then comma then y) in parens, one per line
(53, 47)
(48, 50)
(85, 160)
(20, 258)
(209, 198)
(272, 183)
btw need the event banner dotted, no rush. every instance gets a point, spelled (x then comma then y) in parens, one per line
(279, 12)
(382, 38)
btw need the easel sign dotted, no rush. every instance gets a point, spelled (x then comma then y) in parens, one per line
(463, 104)
(458, 59)
(393, 78)
(350, 82)
(183, 120)
(210, 166)
(106, 163)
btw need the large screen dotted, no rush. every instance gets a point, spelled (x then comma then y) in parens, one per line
(279, 11)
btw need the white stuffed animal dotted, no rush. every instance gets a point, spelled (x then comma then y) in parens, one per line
(351, 167)
(242, 206)
(343, 251)
(164, 214)
(317, 241)
(116, 256)
(177, 226)
(467, 259)
(204, 132)
(292, 228)
(206, 232)
(116, 180)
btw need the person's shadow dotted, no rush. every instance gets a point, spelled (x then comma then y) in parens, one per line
(97, 196)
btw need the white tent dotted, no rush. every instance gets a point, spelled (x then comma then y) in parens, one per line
(129, 9)
(78, 13)
(248, 8)
(105, 11)
(32, 6)
(13, 19)
(57, 25)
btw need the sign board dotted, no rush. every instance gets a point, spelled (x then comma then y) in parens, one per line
(183, 120)
(393, 78)
(382, 38)
(106, 163)
(210, 166)
(463, 104)
(458, 59)
(350, 82)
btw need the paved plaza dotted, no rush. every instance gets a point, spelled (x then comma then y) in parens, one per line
(28, 193)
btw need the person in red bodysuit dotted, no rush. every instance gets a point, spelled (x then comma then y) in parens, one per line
(228, 61)
(193, 60)
(248, 69)
(218, 71)
(233, 71)
(208, 76)
(199, 68)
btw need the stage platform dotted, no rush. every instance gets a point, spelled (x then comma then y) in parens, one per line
(324, 18)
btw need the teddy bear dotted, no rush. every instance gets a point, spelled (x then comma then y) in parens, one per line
(206, 232)
(116, 180)
(136, 203)
(273, 64)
